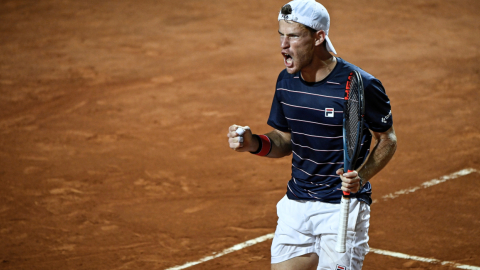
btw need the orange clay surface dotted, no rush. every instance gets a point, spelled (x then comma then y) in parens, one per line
(114, 115)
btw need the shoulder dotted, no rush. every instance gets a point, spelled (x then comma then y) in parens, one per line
(368, 79)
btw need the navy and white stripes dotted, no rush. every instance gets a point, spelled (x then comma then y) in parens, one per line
(313, 114)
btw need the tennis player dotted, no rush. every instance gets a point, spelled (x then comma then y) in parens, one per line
(306, 116)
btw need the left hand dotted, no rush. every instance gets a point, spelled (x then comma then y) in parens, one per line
(350, 181)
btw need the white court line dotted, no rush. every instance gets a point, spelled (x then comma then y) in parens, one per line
(429, 183)
(226, 251)
(422, 259)
(378, 251)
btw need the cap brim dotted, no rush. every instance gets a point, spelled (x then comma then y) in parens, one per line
(330, 45)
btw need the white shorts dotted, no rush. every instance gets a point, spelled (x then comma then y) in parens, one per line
(311, 227)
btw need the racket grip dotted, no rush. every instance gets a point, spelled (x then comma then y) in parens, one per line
(342, 228)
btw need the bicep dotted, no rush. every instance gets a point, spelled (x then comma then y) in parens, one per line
(388, 135)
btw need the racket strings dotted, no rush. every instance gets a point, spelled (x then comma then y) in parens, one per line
(352, 117)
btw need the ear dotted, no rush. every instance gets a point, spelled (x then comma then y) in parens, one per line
(319, 37)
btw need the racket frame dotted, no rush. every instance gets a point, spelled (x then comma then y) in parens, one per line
(350, 161)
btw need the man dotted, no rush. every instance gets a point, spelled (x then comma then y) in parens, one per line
(307, 114)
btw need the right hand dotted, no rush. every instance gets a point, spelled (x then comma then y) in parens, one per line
(234, 139)
(350, 181)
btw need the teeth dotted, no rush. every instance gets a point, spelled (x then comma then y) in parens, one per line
(288, 58)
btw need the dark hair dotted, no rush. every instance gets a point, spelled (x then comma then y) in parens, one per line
(286, 10)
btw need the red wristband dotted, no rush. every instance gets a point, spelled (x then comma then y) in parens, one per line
(266, 145)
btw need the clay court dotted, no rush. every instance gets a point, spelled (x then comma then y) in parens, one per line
(114, 115)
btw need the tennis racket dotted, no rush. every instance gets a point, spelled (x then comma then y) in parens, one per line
(354, 110)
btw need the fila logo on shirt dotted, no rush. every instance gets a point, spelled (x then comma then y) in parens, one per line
(341, 267)
(329, 112)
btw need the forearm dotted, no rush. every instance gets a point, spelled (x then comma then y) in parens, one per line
(281, 144)
(379, 157)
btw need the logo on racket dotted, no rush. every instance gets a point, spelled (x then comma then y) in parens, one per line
(341, 267)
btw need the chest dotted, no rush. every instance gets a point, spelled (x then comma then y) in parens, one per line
(321, 104)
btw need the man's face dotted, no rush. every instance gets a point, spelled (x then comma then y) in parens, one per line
(297, 45)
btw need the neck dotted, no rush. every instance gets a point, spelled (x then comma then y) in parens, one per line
(320, 67)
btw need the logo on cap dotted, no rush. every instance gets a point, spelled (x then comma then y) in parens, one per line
(289, 17)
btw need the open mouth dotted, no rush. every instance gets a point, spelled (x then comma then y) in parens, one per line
(288, 60)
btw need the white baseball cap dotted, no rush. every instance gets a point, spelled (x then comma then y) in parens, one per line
(311, 14)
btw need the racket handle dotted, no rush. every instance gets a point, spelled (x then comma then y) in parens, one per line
(343, 224)
(342, 228)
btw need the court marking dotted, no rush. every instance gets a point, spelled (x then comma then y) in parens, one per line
(429, 183)
(422, 259)
(373, 250)
(226, 251)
